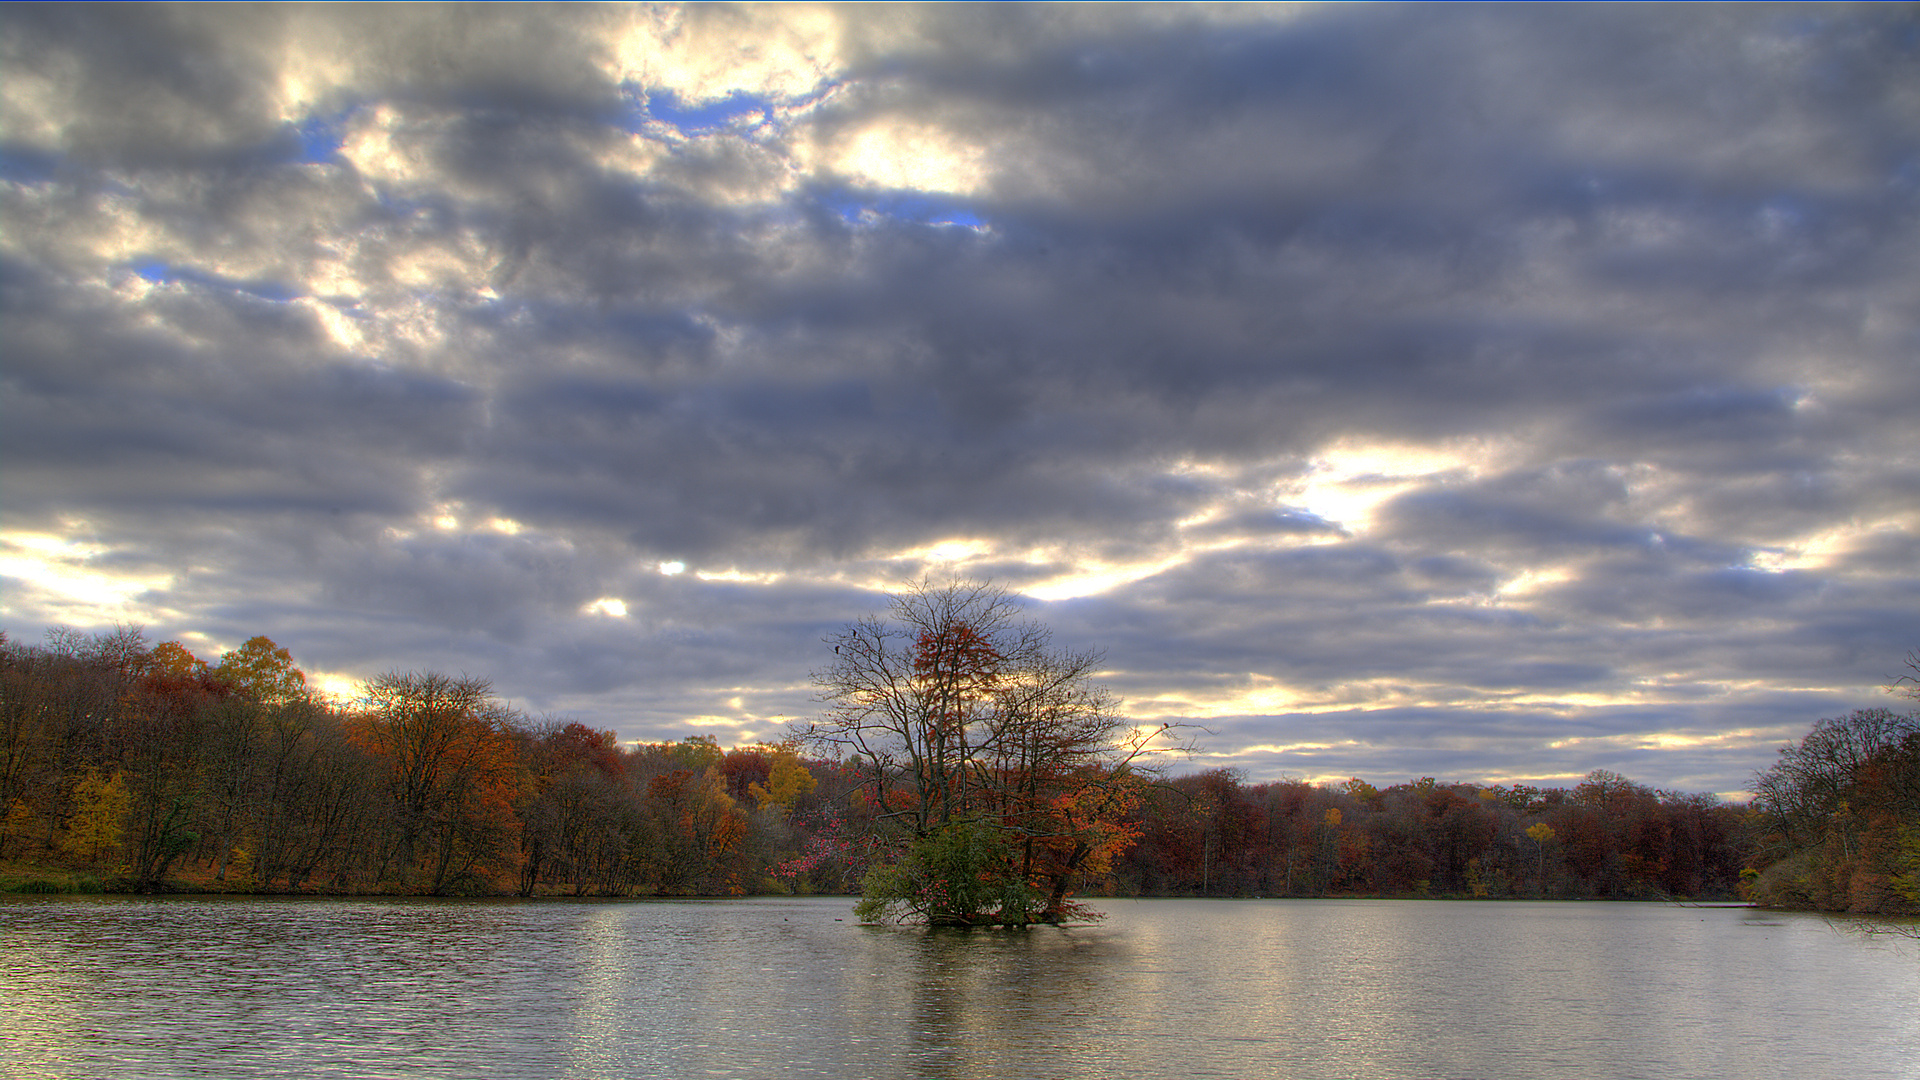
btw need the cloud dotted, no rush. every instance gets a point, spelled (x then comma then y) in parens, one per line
(1486, 391)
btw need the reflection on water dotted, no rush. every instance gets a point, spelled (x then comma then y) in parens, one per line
(126, 987)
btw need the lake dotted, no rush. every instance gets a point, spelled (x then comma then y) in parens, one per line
(767, 987)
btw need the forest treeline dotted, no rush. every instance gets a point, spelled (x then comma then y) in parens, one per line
(146, 769)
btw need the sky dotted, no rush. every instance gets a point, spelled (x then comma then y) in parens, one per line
(1494, 393)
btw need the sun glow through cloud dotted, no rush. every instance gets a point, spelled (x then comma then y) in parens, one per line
(911, 157)
(76, 571)
(1348, 481)
(1096, 577)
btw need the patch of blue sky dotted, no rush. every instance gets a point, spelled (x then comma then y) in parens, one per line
(855, 206)
(667, 107)
(165, 273)
(320, 139)
(23, 166)
(315, 140)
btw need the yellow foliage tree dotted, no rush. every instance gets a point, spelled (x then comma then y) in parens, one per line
(787, 778)
(263, 671)
(101, 804)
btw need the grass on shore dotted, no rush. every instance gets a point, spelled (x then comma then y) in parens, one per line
(23, 876)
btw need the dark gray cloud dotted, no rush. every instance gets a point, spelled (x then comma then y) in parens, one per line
(1475, 391)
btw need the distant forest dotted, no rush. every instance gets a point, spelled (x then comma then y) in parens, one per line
(133, 767)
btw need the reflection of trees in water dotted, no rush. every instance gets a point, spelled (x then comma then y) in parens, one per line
(985, 1001)
(1890, 930)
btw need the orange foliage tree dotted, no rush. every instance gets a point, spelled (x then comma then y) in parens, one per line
(452, 770)
(703, 832)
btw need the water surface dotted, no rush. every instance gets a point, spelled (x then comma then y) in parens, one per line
(220, 987)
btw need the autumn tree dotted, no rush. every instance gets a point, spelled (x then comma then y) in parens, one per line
(1540, 833)
(263, 671)
(318, 796)
(1815, 785)
(701, 832)
(575, 810)
(989, 753)
(787, 779)
(61, 703)
(259, 684)
(172, 658)
(1842, 813)
(101, 805)
(450, 769)
(159, 735)
(28, 695)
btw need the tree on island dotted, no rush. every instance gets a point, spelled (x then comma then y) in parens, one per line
(999, 771)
